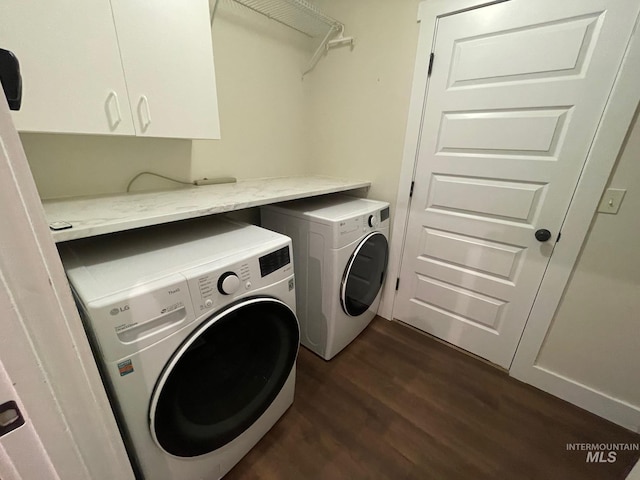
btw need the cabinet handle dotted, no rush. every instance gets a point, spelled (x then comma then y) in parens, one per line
(144, 113)
(112, 100)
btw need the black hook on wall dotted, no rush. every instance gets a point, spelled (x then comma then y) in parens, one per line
(11, 79)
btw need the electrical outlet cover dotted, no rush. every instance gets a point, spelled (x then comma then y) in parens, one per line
(611, 200)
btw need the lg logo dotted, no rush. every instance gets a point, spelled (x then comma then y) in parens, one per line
(117, 310)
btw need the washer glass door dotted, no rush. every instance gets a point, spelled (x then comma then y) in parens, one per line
(364, 274)
(224, 376)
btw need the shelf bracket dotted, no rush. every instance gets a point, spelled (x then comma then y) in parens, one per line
(328, 43)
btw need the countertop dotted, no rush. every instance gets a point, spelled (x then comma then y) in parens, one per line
(97, 215)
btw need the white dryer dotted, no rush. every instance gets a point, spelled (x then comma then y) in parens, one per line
(340, 250)
(195, 331)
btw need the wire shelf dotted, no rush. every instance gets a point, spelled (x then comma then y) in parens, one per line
(300, 15)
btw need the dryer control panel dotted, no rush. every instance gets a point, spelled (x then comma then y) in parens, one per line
(351, 226)
(376, 219)
(352, 229)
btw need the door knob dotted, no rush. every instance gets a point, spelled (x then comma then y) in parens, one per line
(543, 235)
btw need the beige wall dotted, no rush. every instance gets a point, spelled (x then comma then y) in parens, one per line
(262, 112)
(595, 336)
(360, 98)
(261, 96)
(70, 165)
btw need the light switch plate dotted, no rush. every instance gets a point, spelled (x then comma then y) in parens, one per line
(611, 200)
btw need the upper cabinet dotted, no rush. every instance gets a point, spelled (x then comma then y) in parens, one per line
(70, 63)
(134, 67)
(167, 57)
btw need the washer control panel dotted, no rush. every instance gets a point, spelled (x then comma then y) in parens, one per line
(274, 261)
(213, 285)
(206, 287)
(228, 283)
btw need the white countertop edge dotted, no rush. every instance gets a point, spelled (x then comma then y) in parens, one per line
(98, 215)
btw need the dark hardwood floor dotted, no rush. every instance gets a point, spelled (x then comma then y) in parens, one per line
(397, 404)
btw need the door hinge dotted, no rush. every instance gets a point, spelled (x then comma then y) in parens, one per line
(411, 189)
(397, 283)
(430, 64)
(559, 235)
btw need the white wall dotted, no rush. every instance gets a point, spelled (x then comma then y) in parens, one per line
(262, 112)
(360, 98)
(595, 336)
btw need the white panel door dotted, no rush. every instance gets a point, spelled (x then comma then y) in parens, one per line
(168, 62)
(514, 99)
(73, 80)
(22, 455)
(46, 365)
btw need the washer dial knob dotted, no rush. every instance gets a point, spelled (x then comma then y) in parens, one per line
(373, 221)
(228, 283)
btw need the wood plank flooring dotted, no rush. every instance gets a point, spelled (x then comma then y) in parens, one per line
(396, 404)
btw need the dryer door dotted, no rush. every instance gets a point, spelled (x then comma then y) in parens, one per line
(224, 376)
(364, 274)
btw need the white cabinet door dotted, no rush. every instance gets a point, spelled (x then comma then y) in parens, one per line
(514, 100)
(168, 61)
(73, 80)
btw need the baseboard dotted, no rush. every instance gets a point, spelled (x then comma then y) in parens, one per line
(613, 409)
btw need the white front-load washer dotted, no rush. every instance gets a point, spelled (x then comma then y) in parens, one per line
(194, 327)
(340, 251)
